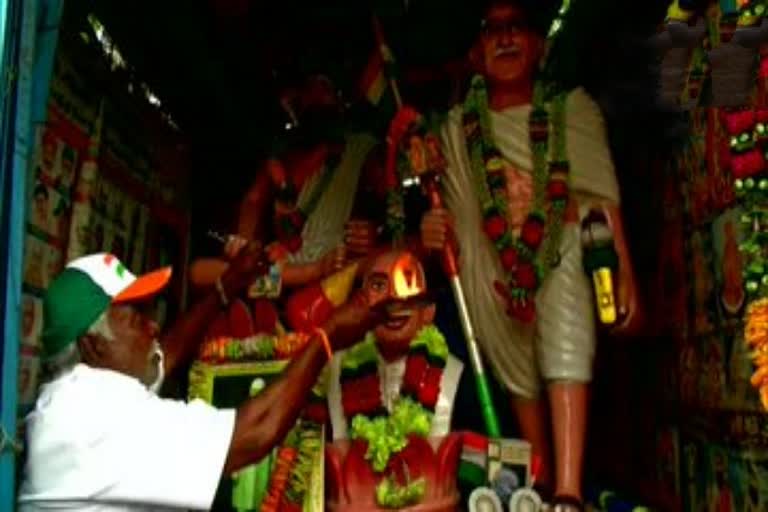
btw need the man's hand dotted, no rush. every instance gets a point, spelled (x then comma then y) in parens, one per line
(234, 245)
(250, 260)
(360, 237)
(436, 229)
(350, 322)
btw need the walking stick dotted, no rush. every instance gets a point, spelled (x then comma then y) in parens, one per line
(426, 164)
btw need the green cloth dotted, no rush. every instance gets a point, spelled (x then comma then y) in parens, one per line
(71, 304)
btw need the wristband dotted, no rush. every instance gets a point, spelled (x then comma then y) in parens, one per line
(320, 332)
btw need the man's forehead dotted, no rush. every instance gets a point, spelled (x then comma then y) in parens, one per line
(503, 11)
(377, 274)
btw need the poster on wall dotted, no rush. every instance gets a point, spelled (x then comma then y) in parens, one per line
(702, 282)
(673, 311)
(719, 479)
(35, 263)
(29, 371)
(727, 234)
(31, 320)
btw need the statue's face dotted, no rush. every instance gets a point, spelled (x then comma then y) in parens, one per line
(396, 280)
(507, 50)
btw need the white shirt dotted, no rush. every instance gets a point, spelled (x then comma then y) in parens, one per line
(100, 441)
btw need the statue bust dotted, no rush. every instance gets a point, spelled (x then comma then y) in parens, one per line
(390, 400)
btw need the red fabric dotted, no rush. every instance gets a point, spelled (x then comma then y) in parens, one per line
(240, 322)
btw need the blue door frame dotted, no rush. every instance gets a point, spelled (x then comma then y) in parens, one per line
(28, 37)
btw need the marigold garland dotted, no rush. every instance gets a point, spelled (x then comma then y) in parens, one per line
(756, 338)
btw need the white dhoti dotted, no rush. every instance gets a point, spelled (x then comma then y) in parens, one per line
(560, 344)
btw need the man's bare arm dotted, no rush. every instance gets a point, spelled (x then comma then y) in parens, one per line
(265, 419)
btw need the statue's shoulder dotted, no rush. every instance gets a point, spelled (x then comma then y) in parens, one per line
(580, 104)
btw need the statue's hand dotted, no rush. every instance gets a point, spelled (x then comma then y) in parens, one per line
(630, 315)
(436, 229)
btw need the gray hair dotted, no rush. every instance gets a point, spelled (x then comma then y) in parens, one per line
(70, 356)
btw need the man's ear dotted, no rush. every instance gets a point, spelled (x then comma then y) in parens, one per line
(92, 349)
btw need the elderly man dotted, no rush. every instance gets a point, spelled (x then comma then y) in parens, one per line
(100, 438)
(513, 156)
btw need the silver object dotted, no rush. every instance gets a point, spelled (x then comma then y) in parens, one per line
(525, 500)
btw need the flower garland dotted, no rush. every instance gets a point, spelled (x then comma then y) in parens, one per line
(291, 475)
(750, 12)
(254, 348)
(526, 258)
(387, 434)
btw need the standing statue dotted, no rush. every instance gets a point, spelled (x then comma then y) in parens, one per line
(523, 171)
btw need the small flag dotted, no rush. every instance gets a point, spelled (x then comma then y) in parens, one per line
(373, 82)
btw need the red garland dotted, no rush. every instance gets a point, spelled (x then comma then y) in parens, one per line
(495, 227)
(746, 165)
(739, 121)
(421, 381)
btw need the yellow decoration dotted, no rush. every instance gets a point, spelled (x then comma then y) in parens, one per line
(606, 306)
(338, 286)
(675, 13)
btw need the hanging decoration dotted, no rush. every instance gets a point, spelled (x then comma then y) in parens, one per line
(748, 131)
(222, 350)
(751, 12)
(291, 475)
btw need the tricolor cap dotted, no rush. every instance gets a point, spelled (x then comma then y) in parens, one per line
(84, 290)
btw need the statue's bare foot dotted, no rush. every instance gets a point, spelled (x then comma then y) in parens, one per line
(567, 504)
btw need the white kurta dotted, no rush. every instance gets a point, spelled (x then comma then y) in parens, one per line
(324, 229)
(560, 345)
(391, 379)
